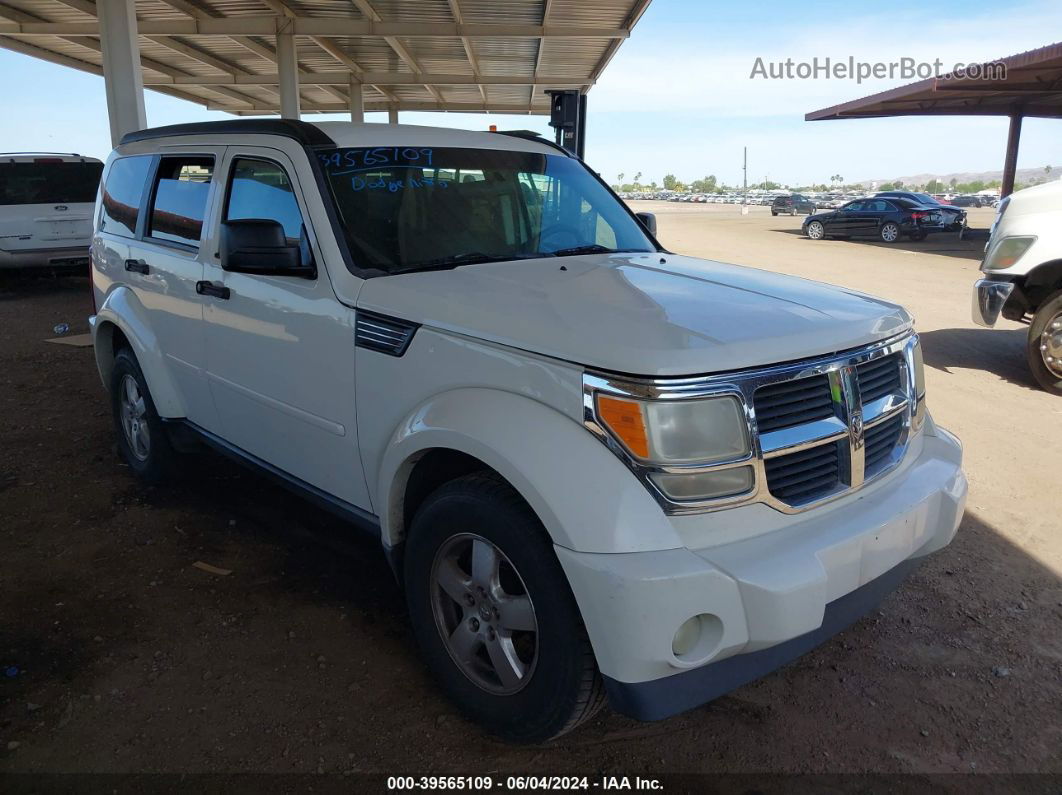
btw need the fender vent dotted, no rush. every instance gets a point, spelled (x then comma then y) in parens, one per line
(388, 335)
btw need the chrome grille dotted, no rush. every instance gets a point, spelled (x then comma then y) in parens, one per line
(881, 441)
(879, 377)
(820, 428)
(801, 477)
(790, 403)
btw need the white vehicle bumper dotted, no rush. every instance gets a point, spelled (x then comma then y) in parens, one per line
(763, 600)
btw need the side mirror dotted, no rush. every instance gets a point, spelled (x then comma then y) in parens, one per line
(256, 245)
(648, 221)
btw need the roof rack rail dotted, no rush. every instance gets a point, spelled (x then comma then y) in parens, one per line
(24, 154)
(305, 133)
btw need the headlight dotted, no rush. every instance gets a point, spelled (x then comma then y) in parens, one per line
(1007, 252)
(684, 433)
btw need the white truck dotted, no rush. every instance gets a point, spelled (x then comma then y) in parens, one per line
(1023, 276)
(46, 204)
(598, 468)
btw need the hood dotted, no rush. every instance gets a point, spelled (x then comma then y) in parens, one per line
(641, 314)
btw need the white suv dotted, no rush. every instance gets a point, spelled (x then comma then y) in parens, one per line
(1023, 276)
(597, 467)
(46, 209)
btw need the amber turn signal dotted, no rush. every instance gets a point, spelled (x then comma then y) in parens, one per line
(625, 419)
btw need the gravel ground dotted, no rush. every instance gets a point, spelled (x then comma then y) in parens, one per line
(118, 655)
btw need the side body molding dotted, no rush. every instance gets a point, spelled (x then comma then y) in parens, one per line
(581, 492)
(123, 309)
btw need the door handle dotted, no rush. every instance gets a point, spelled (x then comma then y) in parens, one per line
(137, 266)
(210, 288)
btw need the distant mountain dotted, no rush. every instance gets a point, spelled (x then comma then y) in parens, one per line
(1024, 175)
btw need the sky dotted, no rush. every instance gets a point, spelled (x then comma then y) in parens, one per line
(680, 98)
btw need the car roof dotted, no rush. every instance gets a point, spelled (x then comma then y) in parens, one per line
(51, 157)
(350, 134)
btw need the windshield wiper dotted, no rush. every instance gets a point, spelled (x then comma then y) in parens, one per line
(592, 248)
(457, 260)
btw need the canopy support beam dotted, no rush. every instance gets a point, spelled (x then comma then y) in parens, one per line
(1010, 164)
(122, 77)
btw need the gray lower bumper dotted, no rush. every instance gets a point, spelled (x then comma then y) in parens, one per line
(988, 299)
(66, 256)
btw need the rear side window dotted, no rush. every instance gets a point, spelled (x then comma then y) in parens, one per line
(49, 181)
(178, 206)
(122, 193)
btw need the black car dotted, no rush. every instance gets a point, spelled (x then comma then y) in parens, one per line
(966, 201)
(884, 219)
(954, 218)
(793, 204)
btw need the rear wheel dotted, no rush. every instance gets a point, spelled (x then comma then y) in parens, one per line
(142, 440)
(918, 236)
(774, 212)
(816, 231)
(1044, 349)
(889, 232)
(493, 613)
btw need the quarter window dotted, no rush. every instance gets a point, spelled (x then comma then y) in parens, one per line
(122, 192)
(182, 189)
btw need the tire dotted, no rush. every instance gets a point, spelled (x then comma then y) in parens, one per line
(889, 232)
(1045, 340)
(918, 236)
(815, 231)
(555, 684)
(773, 212)
(793, 212)
(143, 442)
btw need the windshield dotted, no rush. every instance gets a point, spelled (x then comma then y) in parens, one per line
(420, 208)
(51, 182)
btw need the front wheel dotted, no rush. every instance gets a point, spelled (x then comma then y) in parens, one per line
(889, 232)
(816, 231)
(1044, 349)
(493, 613)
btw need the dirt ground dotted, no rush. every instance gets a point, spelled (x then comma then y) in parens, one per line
(117, 655)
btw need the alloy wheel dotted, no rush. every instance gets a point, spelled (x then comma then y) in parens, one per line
(890, 232)
(484, 614)
(134, 418)
(815, 230)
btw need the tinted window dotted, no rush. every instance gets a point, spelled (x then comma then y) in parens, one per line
(182, 188)
(122, 193)
(43, 182)
(407, 208)
(854, 207)
(877, 206)
(261, 189)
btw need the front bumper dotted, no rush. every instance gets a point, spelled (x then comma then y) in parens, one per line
(764, 599)
(988, 298)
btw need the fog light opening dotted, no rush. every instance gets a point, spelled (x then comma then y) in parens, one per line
(697, 639)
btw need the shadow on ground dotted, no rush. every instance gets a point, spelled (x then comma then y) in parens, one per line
(998, 351)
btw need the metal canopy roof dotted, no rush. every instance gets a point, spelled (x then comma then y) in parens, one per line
(1032, 87)
(448, 55)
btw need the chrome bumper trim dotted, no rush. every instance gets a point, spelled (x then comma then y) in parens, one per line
(988, 299)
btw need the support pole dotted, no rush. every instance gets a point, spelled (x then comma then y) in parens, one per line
(1010, 165)
(357, 102)
(288, 76)
(392, 115)
(122, 78)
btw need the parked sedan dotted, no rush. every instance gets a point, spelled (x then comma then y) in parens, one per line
(792, 205)
(886, 220)
(954, 217)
